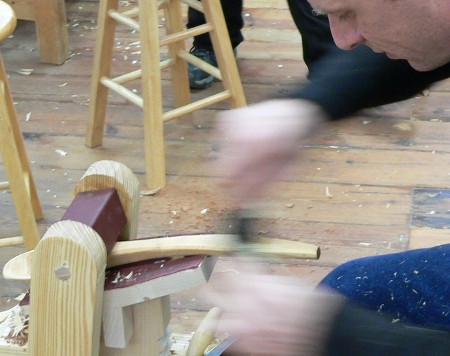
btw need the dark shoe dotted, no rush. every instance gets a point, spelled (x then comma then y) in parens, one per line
(199, 79)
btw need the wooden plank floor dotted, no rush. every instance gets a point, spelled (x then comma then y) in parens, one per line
(382, 167)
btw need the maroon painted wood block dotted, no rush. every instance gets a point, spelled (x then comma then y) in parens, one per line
(102, 210)
(144, 271)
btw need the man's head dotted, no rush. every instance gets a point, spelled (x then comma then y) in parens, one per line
(415, 30)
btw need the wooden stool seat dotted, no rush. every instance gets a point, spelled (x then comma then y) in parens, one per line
(12, 149)
(151, 40)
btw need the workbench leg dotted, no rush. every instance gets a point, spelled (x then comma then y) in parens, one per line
(51, 29)
(67, 291)
(151, 336)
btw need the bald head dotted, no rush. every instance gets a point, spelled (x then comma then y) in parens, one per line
(415, 30)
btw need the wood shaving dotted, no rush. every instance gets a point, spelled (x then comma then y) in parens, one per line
(14, 326)
(61, 152)
(150, 192)
(403, 126)
(25, 71)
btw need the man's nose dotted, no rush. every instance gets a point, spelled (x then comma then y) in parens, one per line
(344, 32)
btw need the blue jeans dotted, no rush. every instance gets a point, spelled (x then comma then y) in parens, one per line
(411, 286)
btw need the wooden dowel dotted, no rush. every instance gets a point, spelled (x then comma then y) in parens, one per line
(206, 67)
(121, 90)
(131, 13)
(128, 77)
(197, 105)
(162, 3)
(195, 4)
(192, 32)
(125, 20)
(137, 74)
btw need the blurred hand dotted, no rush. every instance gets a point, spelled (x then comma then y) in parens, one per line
(274, 315)
(260, 141)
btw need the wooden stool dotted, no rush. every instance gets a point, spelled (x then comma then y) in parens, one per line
(150, 73)
(51, 28)
(13, 152)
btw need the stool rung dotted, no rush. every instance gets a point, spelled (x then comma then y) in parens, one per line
(121, 90)
(135, 11)
(162, 3)
(190, 58)
(131, 13)
(11, 241)
(137, 74)
(123, 19)
(128, 77)
(196, 105)
(4, 185)
(195, 4)
(192, 32)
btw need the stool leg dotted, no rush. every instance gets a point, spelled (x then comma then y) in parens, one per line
(179, 71)
(101, 68)
(17, 166)
(52, 31)
(152, 94)
(224, 52)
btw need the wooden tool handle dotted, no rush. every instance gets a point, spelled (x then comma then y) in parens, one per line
(205, 333)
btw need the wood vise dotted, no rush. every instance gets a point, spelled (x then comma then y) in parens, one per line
(72, 293)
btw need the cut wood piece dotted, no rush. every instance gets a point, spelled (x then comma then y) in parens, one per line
(111, 174)
(210, 244)
(124, 252)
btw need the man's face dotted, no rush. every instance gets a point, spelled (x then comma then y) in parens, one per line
(415, 30)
